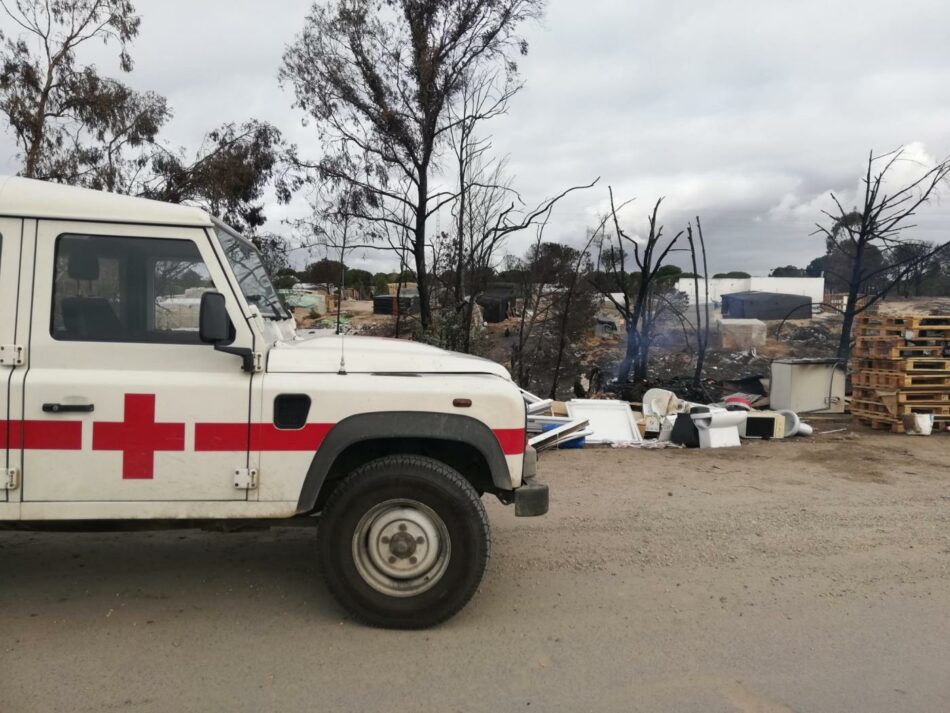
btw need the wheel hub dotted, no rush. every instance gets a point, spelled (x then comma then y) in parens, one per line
(401, 548)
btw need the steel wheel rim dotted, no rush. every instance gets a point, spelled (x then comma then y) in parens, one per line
(401, 548)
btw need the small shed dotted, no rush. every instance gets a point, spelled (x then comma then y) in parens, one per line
(765, 305)
(497, 302)
(390, 304)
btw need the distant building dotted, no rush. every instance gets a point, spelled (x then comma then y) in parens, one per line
(811, 287)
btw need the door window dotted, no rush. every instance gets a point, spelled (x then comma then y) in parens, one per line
(116, 289)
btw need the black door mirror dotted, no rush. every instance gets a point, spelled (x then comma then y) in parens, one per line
(214, 325)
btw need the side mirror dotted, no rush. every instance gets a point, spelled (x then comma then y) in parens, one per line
(214, 325)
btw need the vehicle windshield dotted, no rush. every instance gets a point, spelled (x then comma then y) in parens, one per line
(251, 275)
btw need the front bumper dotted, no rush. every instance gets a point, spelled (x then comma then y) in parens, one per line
(531, 499)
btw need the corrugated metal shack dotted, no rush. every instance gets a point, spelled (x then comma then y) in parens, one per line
(765, 305)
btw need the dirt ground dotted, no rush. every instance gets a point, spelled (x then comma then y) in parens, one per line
(810, 575)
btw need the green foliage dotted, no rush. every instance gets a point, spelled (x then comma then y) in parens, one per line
(736, 274)
(325, 272)
(380, 282)
(788, 271)
(360, 280)
(668, 274)
(236, 164)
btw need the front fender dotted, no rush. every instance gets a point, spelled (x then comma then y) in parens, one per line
(396, 425)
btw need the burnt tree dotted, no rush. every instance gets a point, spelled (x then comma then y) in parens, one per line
(877, 228)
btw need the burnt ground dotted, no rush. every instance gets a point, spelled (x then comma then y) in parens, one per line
(809, 575)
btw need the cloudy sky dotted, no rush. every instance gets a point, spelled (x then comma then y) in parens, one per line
(744, 112)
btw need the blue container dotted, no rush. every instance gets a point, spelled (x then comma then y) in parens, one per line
(573, 443)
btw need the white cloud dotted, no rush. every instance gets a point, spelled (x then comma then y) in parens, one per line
(748, 114)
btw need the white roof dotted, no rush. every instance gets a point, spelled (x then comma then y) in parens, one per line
(27, 198)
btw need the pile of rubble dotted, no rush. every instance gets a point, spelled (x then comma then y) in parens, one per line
(663, 420)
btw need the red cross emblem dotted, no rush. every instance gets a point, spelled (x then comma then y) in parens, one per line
(138, 437)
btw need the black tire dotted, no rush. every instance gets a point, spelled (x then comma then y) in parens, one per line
(409, 481)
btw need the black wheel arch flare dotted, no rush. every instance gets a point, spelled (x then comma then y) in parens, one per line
(396, 425)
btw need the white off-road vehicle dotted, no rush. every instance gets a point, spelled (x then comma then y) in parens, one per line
(149, 375)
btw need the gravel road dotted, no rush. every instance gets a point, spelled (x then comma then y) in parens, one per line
(811, 575)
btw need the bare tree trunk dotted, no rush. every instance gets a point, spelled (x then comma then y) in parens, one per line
(561, 343)
(419, 249)
(851, 305)
(702, 329)
(39, 125)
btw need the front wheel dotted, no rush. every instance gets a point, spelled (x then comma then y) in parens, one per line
(404, 541)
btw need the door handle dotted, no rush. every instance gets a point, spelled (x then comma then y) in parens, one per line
(69, 408)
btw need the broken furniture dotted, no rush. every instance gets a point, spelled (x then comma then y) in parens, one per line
(718, 428)
(794, 426)
(610, 421)
(763, 424)
(807, 385)
(684, 431)
(657, 405)
(547, 430)
(901, 366)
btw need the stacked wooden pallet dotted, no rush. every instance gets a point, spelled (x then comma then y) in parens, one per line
(900, 365)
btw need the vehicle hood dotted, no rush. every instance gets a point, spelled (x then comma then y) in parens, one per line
(313, 353)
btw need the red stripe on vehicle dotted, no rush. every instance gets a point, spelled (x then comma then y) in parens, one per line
(41, 435)
(258, 437)
(511, 440)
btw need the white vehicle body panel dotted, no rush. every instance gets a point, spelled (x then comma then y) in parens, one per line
(26, 198)
(323, 353)
(172, 422)
(338, 396)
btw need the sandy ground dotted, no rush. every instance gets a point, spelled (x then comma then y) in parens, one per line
(805, 576)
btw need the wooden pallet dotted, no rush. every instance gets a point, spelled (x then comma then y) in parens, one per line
(914, 398)
(894, 425)
(879, 424)
(912, 321)
(908, 365)
(871, 378)
(874, 406)
(913, 327)
(893, 348)
(940, 332)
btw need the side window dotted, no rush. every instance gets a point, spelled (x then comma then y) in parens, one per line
(127, 290)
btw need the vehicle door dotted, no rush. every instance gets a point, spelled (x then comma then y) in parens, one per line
(119, 382)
